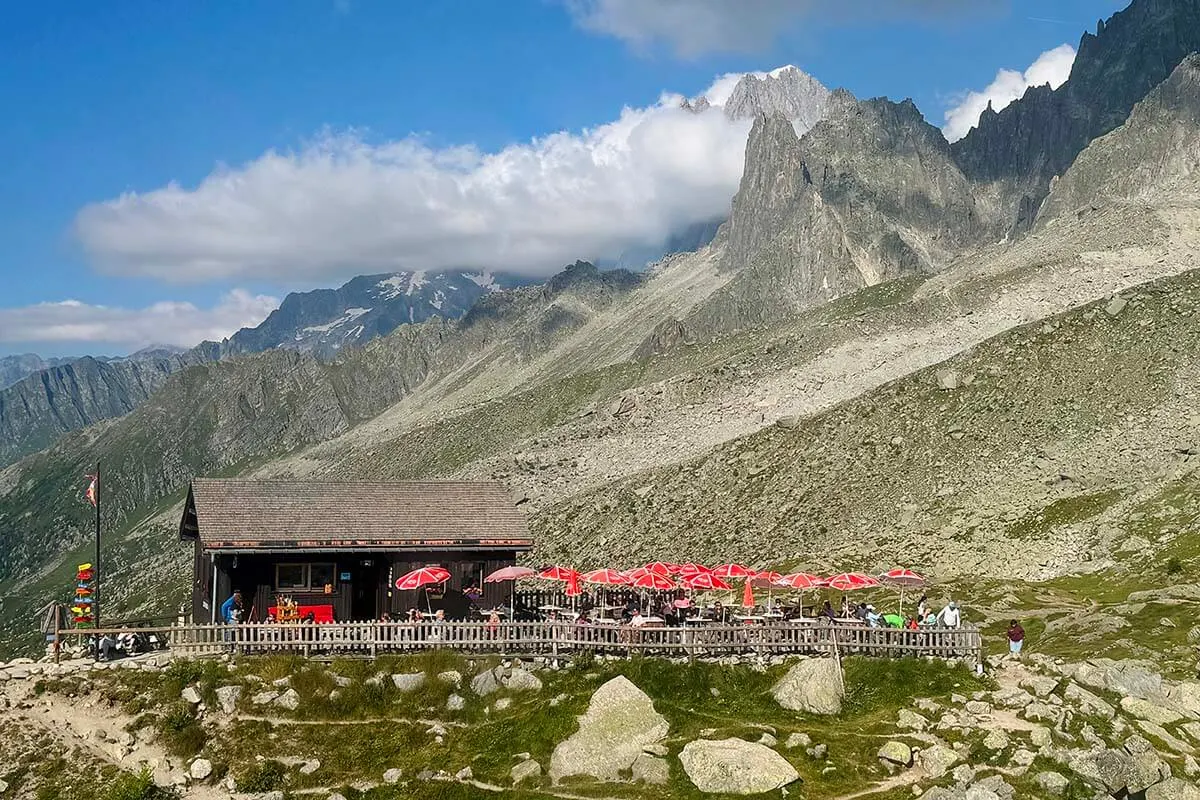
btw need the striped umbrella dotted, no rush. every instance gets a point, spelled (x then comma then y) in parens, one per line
(800, 580)
(693, 569)
(513, 573)
(660, 568)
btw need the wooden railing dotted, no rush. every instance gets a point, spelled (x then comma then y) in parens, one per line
(562, 638)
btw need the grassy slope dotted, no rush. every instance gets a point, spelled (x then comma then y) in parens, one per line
(724, 701)
(918, 473)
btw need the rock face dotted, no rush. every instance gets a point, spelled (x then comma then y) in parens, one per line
(324, 321)
(1157, 146)
(813, 686)
(1022, 147)
(735, 766)
(227, 698)
(38, 409)
(869, 194)
(787, 92)
(620, 720)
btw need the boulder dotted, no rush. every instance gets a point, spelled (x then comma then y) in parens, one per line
(525, 771)
(485, 683)
(1110, 770)
(200, 769)
(938, 759)
(768, 739)
(452, 677)
(1088, 702)
(309, 767)
(392, 776)
(264, 698)
(1187, 697)
(996, 739)
(1039, 736)
(620, 720)
(341, 680)
(289, 700)
(1052, 783)
(1039, 685)
(1132, 678)
(651, 770)
(813, 686)
(735, 766)
(963, 775)
(1173, 789)
(896, 753)
(911, 720)
(1151, 712)
(503, 703)
(408, 681)
(520, 680)
(795, 740)
(227, 698)
(464, 774)
(191, 694)
(455, 703)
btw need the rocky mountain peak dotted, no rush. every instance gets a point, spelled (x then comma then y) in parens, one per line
(1037, 137)
(788, 91)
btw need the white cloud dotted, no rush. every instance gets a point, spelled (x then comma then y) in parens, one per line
(1052, 67)
(694, 27)
(171, 323)
(344, 205)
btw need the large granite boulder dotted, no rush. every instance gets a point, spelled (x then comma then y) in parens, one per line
(1173, 789)
(813, 686)
(620, 720)
(735, 766)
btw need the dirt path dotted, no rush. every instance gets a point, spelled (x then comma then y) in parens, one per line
(89, 724)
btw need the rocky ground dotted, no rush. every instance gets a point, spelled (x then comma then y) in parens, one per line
(440, 726)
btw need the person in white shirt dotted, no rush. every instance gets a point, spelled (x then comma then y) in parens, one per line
(873, 617)
(950, 616)
(638, 620)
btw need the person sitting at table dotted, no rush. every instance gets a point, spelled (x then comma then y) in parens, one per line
(718, 611)
(861, 611)
(667, 612)
(631, 608)
(893, 621)
(637, 620)
(845, 607)
(873, 617)
(827, 611)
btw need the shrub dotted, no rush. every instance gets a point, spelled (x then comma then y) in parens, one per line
(262, 776)
(137, 787)
(1174, 566)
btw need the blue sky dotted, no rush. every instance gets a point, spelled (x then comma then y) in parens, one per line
(132, 97)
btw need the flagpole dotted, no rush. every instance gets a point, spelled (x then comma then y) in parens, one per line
(96, 588)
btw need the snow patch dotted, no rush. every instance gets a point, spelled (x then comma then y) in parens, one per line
(349, 315)
(418, 280)
(484, 280)
(393, 286)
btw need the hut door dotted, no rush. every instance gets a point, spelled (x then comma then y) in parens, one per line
(364, 591)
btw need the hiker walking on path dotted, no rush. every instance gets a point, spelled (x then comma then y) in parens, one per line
(1016, 637)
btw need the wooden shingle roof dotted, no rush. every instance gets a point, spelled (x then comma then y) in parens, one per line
(301, 514)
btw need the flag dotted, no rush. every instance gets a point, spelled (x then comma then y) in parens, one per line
(90, 494)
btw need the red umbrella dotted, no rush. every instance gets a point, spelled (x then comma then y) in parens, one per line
(652, 580)
(800, 580)
(558, 574)
(705, 581)
(902, 577)
(765, 580)
(659, 567)
(693, 569)
(733, 571)
(610, 577)
(748, 596)
(514, 574)
(510, 574)
(421, 577)
(849, 581)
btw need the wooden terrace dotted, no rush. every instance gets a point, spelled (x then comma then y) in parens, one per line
(562, 639)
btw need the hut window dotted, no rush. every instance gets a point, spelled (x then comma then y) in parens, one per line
(304, 577)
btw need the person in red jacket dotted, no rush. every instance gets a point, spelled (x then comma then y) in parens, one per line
(1016, 637)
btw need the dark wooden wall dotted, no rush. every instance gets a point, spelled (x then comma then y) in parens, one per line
(254, 575)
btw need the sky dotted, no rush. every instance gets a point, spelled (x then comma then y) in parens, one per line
(174, 169)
